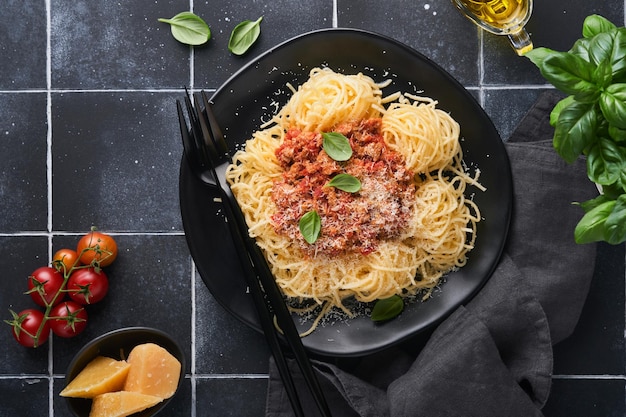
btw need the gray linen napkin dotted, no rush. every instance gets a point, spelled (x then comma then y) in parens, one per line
(493, 356)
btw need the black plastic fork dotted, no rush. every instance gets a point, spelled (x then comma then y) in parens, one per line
(207, 154)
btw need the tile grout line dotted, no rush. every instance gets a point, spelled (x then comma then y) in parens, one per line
(602, 377)
(178, 90)
(80, 233)
(481, 68)
(49, 181)
(192, 366)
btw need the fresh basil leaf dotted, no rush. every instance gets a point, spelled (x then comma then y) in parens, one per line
(188, 28)
(602, 76)
(617, 134)
(244, 35)
(345, 182)
(615, 226)
(591, 227)
(613, 191)
(538, 55)
(581, 49)
(613, 105)
(569, 73)
(575, 130)
(310, 225)
(387, 308)
(618, 57)
(605, 162)
(337, 146)
(601, 47)
(595, 24)
(556, 111)
(589, 205)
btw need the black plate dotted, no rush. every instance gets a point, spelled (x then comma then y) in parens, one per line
(251, 95)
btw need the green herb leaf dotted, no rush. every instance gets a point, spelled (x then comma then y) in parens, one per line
(603, 76)
(618, 56)
(575, 130)
(569, 73)
(617, 134)
(595, 24)
(387, 308)
(188, 28)
(605, 162)
(589, 205)
(345, 182)
(556, 111)
(310, 225)
(601, 47)
(581, 49)
(613, 105)
(591, 227)
(615, 226)
(244, 35)
(538, 55)
(337, 146)
(613, 191)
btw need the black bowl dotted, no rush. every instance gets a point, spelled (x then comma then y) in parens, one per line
(117, 344)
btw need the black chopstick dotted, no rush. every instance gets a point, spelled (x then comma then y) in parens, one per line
(202, 164)
(279, 308)
(275, 297)
(265, 316)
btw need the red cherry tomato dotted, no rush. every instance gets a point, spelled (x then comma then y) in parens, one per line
(68, 319)
(97, 246)
(87, 286)
(44, 284)
(64, 260)
(26, 325)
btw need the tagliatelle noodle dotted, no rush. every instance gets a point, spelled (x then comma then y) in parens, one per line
(443, 222)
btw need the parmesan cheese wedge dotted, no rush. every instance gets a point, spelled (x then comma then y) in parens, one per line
(100, 375)
(121, 404)
(153, 371)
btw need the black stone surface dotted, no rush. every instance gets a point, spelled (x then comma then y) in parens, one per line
(90, 137)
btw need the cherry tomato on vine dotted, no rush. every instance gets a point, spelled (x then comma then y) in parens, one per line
(64, 260)
(68, 319)
(26, 324)
(97, 246)
(87, 286)
(44, 284)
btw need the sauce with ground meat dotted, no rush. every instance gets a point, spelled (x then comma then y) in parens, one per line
(351, 222)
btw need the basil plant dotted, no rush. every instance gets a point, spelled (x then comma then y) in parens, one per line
(591, 120)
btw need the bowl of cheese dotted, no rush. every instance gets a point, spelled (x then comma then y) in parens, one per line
(130, 371)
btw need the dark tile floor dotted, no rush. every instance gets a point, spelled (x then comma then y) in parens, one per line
(90, 138)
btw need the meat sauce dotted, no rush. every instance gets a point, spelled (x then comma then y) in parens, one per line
(351, 222)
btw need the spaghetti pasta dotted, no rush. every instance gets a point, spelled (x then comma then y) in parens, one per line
(411, 209)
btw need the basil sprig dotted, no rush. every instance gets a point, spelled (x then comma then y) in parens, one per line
(387, 308)
(337, 146)
(345, 182)
(591, 121)
(244, 35)
(310, 226)
(188, 28)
